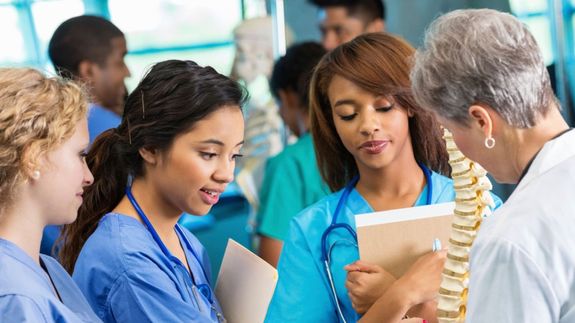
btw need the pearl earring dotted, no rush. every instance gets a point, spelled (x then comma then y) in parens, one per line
(36, 174)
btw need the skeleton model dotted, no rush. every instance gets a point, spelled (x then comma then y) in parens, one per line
(473, 202)
(264, 127)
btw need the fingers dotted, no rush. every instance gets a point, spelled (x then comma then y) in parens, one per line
(414, 320)
(363, 267)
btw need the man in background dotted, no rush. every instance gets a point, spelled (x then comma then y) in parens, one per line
(343, 20)
(91, 50)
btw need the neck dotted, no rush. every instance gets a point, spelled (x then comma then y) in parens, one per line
(526, 143)
(22, 224)
(401, 178)
(303, 122)
(159, 211)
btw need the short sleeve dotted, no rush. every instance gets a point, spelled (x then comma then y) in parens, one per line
(282, 197)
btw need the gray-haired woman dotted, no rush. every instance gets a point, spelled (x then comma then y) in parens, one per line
(483, 75)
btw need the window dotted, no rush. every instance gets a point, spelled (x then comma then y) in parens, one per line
(197, 30)
(536, 15)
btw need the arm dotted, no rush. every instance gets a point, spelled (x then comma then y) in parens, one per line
(418, 285)
(365, 284)
(270, 250)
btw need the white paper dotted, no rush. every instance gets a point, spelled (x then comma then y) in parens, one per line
(406, 214)
(245, 285)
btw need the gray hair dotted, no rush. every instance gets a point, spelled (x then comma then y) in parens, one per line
(482, 56)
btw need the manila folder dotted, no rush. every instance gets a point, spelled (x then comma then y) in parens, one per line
(245, 285)
(395, 239)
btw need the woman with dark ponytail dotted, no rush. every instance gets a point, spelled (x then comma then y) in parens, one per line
(174, 152)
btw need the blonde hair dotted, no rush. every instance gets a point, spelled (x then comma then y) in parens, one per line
(37, 114)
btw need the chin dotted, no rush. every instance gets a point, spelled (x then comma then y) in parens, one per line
(199, 211)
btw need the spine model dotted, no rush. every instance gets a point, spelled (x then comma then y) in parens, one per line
(473, 202)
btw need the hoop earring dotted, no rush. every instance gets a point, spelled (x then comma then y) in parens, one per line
(489, 142)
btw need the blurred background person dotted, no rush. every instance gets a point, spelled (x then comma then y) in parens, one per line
(91, 50)
(343, 20)
(292, 180)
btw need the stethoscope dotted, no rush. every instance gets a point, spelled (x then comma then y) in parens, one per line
(325, 253)
(204, 289)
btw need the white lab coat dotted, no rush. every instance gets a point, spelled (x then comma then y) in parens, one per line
(523, 260)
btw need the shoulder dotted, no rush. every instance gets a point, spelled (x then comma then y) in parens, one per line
(319, 213)
(18, 278)
(21, 308)
(99, 113)
(119, 242)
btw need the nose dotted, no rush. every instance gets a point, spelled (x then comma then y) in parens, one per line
(369, 124)
(329, 40)
(127, 72)
(88, 177)
(225, 172)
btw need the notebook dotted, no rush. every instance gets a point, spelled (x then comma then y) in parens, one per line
(395, 239)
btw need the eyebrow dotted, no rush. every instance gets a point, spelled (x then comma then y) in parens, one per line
(218, 142)
(344, 102)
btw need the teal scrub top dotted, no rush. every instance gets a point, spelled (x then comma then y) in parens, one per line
(303, 293)
(292, 182)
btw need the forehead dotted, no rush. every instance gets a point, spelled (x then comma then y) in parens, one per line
(342, 88)
(118, 46)
(224, 121)
(336, 15)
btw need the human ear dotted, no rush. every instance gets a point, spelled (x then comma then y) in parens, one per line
(150, 156)
(481, 118)
(377, 25)
(86, 71)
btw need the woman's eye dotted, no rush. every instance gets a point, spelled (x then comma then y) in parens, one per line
(236, 156)
(348, 117)
(385, 108)
(208, 156)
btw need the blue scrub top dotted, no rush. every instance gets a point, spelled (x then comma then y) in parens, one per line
(303, 293)
(127, 278)
(26, 294)
(101, 119)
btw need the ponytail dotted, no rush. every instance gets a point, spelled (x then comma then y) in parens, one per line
(110, 176)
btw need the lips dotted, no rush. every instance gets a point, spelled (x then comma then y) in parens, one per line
(374, 147)
(210, 196)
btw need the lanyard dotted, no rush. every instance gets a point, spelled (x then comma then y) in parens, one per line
(203, 288)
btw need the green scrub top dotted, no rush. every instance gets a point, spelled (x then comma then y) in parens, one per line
(291, 183)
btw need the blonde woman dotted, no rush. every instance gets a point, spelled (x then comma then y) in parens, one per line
(43, 137)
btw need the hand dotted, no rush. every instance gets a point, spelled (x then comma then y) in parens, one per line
(426, 310)
(421, 282)
(365, 284)
(413, 320)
